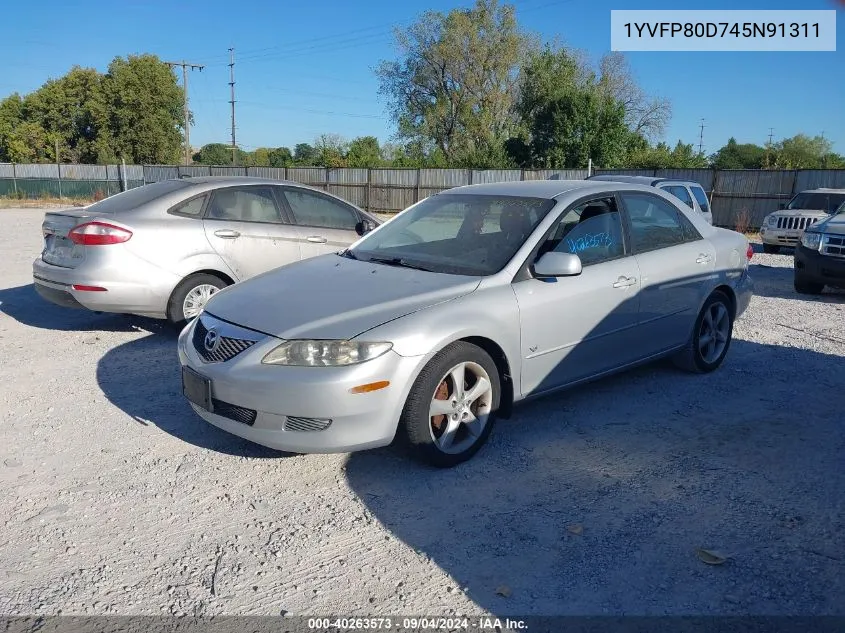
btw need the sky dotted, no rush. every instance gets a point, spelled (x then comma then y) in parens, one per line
(306, 68)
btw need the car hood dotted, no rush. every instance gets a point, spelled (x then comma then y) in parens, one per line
(332, 297)
(834, 225)
(800, 213)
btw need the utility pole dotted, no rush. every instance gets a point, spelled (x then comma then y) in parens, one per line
(232, 88)
(769, 145)
(185, 66)
(701, 137)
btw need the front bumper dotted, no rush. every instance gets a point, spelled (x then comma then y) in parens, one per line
(813, 267)
(780, 237)
(292, 405)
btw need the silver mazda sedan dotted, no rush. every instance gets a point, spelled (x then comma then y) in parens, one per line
(163, 249)
(439, 320)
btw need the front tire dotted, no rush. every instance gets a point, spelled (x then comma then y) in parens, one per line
(191, 295)
(807, 287)
(711, 336)
(452, 406)
(771, 248)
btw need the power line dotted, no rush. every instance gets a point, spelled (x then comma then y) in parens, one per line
(232, 87)
(185, 66)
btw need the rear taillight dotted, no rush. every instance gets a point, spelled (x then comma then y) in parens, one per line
(750, 252)
(98, 234)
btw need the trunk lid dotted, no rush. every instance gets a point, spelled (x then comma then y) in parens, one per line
(58, 249)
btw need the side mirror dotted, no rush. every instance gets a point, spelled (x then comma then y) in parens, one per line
(782, 205)
(364, 226)
(554, 264)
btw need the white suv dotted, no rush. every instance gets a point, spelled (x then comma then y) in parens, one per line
(784, 227)
(688, 191)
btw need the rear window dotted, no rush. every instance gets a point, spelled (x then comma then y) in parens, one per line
(699, 194)
(134, 198)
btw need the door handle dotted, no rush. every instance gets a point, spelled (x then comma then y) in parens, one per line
(316, 239)
(625, 282)
(227, 234)
(703, 258)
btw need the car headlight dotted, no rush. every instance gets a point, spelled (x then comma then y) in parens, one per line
(325, 353)
(771, 220)
(811, 240)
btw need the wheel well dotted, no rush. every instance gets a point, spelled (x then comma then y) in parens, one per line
(498, 355)
(729, 293)
(215, 273)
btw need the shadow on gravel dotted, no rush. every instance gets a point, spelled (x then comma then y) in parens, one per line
(593, 501)
(777, 282)
(142, 378)
(26, 306)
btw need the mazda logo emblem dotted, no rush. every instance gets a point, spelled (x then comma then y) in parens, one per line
(212, 341)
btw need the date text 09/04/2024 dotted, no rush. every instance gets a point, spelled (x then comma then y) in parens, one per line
(415, 624)
(721, 29)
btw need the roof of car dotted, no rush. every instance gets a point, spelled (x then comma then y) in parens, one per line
(530, 188)
(642, 180)
(823, 190)
(228, 180)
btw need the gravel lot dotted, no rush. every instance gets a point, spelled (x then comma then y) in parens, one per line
(118, 499)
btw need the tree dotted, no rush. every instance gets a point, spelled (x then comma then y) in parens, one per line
(364, 151)
(214, 154)
(280, 157)
(331, 150)
(566, 119)
(260, 157)
(455, 81)
(575, 127)
(644, 115)
(804, 152)
(661, 156)
(734, 155)
(305, 154)
(145, 113)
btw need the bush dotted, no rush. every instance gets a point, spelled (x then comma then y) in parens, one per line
(743, 221)
(99, 195)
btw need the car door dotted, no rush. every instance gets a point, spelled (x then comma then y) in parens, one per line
(323, 223)
(246, 228)
(676, 266)
(580, 326)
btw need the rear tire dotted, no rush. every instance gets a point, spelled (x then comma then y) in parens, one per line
(199, 288)
(468, 413)
(807, 287)
(711, 336)
(771, 248)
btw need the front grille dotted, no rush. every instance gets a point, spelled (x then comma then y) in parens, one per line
(234, 412)
(293, 423)
(833, 245)
(227, 348)
(795, 223)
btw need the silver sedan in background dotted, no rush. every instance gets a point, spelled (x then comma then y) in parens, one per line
(163, 249)
(465, 303)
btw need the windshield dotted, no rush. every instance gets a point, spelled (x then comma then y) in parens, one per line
(460, 234)
(134, 198)
(827, 202)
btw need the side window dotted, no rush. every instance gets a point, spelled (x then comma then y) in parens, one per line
(681, 193)
(592, 230)
(244, 204)
(191, 208)
(691, 233)
(701, 197)
(655, 223)
(312, 209)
